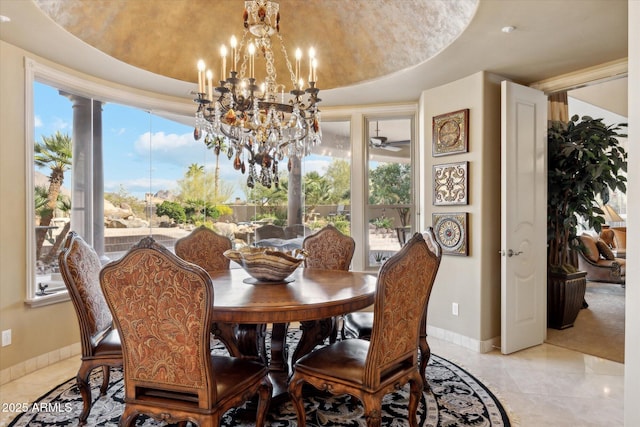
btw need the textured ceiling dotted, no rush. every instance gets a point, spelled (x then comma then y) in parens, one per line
(355, 41)
(552, 38)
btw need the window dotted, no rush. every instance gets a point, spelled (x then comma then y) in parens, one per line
(64, 139)
(327, 182)
(131, 154)
(390, 207)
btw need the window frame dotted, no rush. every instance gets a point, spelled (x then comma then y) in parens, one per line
(381, 117)
(104, 91)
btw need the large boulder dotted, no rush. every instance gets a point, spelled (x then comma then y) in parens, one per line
(227, 229)
(126, 223)
(117, 212)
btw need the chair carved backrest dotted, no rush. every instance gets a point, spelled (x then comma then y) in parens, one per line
(432, 243)
(269, 231)
(204, 247)
(328, 249)
(401, 299)
(162, 307)
(80, 268)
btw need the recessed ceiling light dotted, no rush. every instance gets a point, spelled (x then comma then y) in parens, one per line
(508, 29)
(4, 18)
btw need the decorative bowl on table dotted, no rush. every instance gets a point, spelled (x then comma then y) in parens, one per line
(266, 264)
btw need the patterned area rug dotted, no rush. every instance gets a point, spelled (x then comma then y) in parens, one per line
(455, 398)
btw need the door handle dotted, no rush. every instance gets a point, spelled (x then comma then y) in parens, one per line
(511, 253)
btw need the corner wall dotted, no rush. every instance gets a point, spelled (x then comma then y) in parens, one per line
(473, 281)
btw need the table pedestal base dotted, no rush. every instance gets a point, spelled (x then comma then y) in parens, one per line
(250, 341)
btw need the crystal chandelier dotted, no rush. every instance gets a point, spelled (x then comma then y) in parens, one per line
(255, 122)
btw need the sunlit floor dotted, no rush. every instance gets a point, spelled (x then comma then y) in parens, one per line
(541, 386)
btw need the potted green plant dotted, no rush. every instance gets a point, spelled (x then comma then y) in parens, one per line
(585, 162)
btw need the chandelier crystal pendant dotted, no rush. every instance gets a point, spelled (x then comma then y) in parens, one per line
(258, 122)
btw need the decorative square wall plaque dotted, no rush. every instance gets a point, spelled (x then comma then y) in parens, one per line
(450, 184)
(451, 133)
(451, 232)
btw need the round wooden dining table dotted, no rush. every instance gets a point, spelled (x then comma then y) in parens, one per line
(313, 297)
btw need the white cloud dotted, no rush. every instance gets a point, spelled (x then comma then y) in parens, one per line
(174, 149)
(60, 124)
(37, 121)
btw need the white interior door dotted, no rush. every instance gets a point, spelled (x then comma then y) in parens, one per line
(524, 221)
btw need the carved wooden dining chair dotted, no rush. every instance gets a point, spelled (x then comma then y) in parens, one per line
(368, 370)
(329, 249)
(204, 247)
(99, 340)
(360, 324)
(163, 307)
(269, 231)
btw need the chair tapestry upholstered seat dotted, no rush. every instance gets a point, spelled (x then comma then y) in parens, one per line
(368, 370)
(162, 306)
(80, 268)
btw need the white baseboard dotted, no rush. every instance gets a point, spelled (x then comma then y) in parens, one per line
(463, 341)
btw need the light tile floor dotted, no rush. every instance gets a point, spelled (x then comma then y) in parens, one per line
(541, 386)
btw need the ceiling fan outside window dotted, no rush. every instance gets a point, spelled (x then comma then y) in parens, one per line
(382, 143)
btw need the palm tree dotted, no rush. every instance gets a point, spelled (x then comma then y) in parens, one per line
(64, 204)
(53, 152)
(317, 191)
(194, 170)
(217, 144)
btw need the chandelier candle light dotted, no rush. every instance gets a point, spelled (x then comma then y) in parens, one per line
(258, 122)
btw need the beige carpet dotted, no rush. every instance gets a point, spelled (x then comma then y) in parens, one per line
(599, 329)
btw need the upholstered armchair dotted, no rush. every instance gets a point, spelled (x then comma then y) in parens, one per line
(608, 237)
(616, 239)
(360, 324)
(163, 306)
(597, 259)
(99, 340)
(329, 249)
(368, 370)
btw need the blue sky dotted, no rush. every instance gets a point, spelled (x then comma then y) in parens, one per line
(142, 152)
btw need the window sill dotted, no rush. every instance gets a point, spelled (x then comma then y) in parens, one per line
(48, 299)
